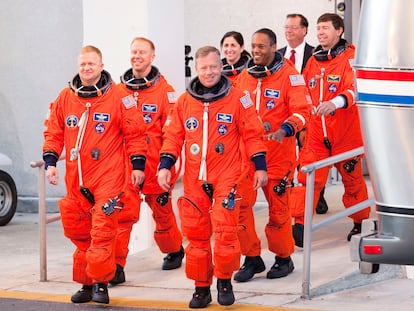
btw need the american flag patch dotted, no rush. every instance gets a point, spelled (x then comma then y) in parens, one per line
(129, 101)
(246, 100)
(296, 80)
(172, 97)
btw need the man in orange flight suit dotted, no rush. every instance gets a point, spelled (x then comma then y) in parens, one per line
(334, 128)
(89, 119)
(211, 118)
(281, 99)
(155, 99)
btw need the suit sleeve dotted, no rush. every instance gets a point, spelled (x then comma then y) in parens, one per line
(54, 132)
(251, 128)
(135, 136)
(174, 131)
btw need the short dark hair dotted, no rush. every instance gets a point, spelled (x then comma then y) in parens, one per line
(336, 20)
(303, 20)
(270, 33)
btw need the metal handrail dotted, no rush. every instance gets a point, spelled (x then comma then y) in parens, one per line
(43, 219)
(309, 227)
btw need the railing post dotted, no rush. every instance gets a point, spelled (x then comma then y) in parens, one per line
(42, 224)
(307, 235)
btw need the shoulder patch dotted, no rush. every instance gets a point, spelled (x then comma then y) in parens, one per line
(246, 100)
(172, 97)
(296, 80)
(129, 101)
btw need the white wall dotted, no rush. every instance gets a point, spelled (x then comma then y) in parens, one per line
(159, 20)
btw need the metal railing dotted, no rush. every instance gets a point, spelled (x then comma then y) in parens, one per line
(308, 226)
(43, 218)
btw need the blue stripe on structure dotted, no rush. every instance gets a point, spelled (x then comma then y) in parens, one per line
(386, 99)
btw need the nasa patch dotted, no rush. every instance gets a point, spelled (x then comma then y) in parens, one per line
(332, 88)
(191, 124)
(222, 129)
(101, 117)
(99, 128)
(147, 118)
(72, 121)
(270, 104)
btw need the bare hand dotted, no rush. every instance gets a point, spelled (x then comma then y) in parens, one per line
(52, 175)
(278, 135)
(164, 179)
(259, 179)
(326, 108)
(137, 177)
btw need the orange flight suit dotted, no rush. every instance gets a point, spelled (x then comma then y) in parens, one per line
(112, 129)
(155, 100)
(343, 131)
(283, 101)
(231, 117)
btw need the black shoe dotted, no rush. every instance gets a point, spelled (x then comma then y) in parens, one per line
(281, 268)
(250, 266)
(355, 230)
(201, 298)
(297, 232)
(119, 276)
(173, 260)
(322, 206)
(82, 295)
(100, 293)
(225, 295)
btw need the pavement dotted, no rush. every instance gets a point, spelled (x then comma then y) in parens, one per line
(336, 283)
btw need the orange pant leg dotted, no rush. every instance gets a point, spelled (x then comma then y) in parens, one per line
(279, 228)
(355, 189)
(194, 213)
(298, 195)
(101, 254)
(76, 222)
(249, 241)
(128, 216)
(167, 235)
(226, 243)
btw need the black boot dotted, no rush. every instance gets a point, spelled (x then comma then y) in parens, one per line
(355, 230)
(225, 295)
(297, 232)
(119, 276)
(100, 293)
(82, 295)
(281, 268)
(322, 206)
(201, 297)
(250, 266)
(173, 260)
